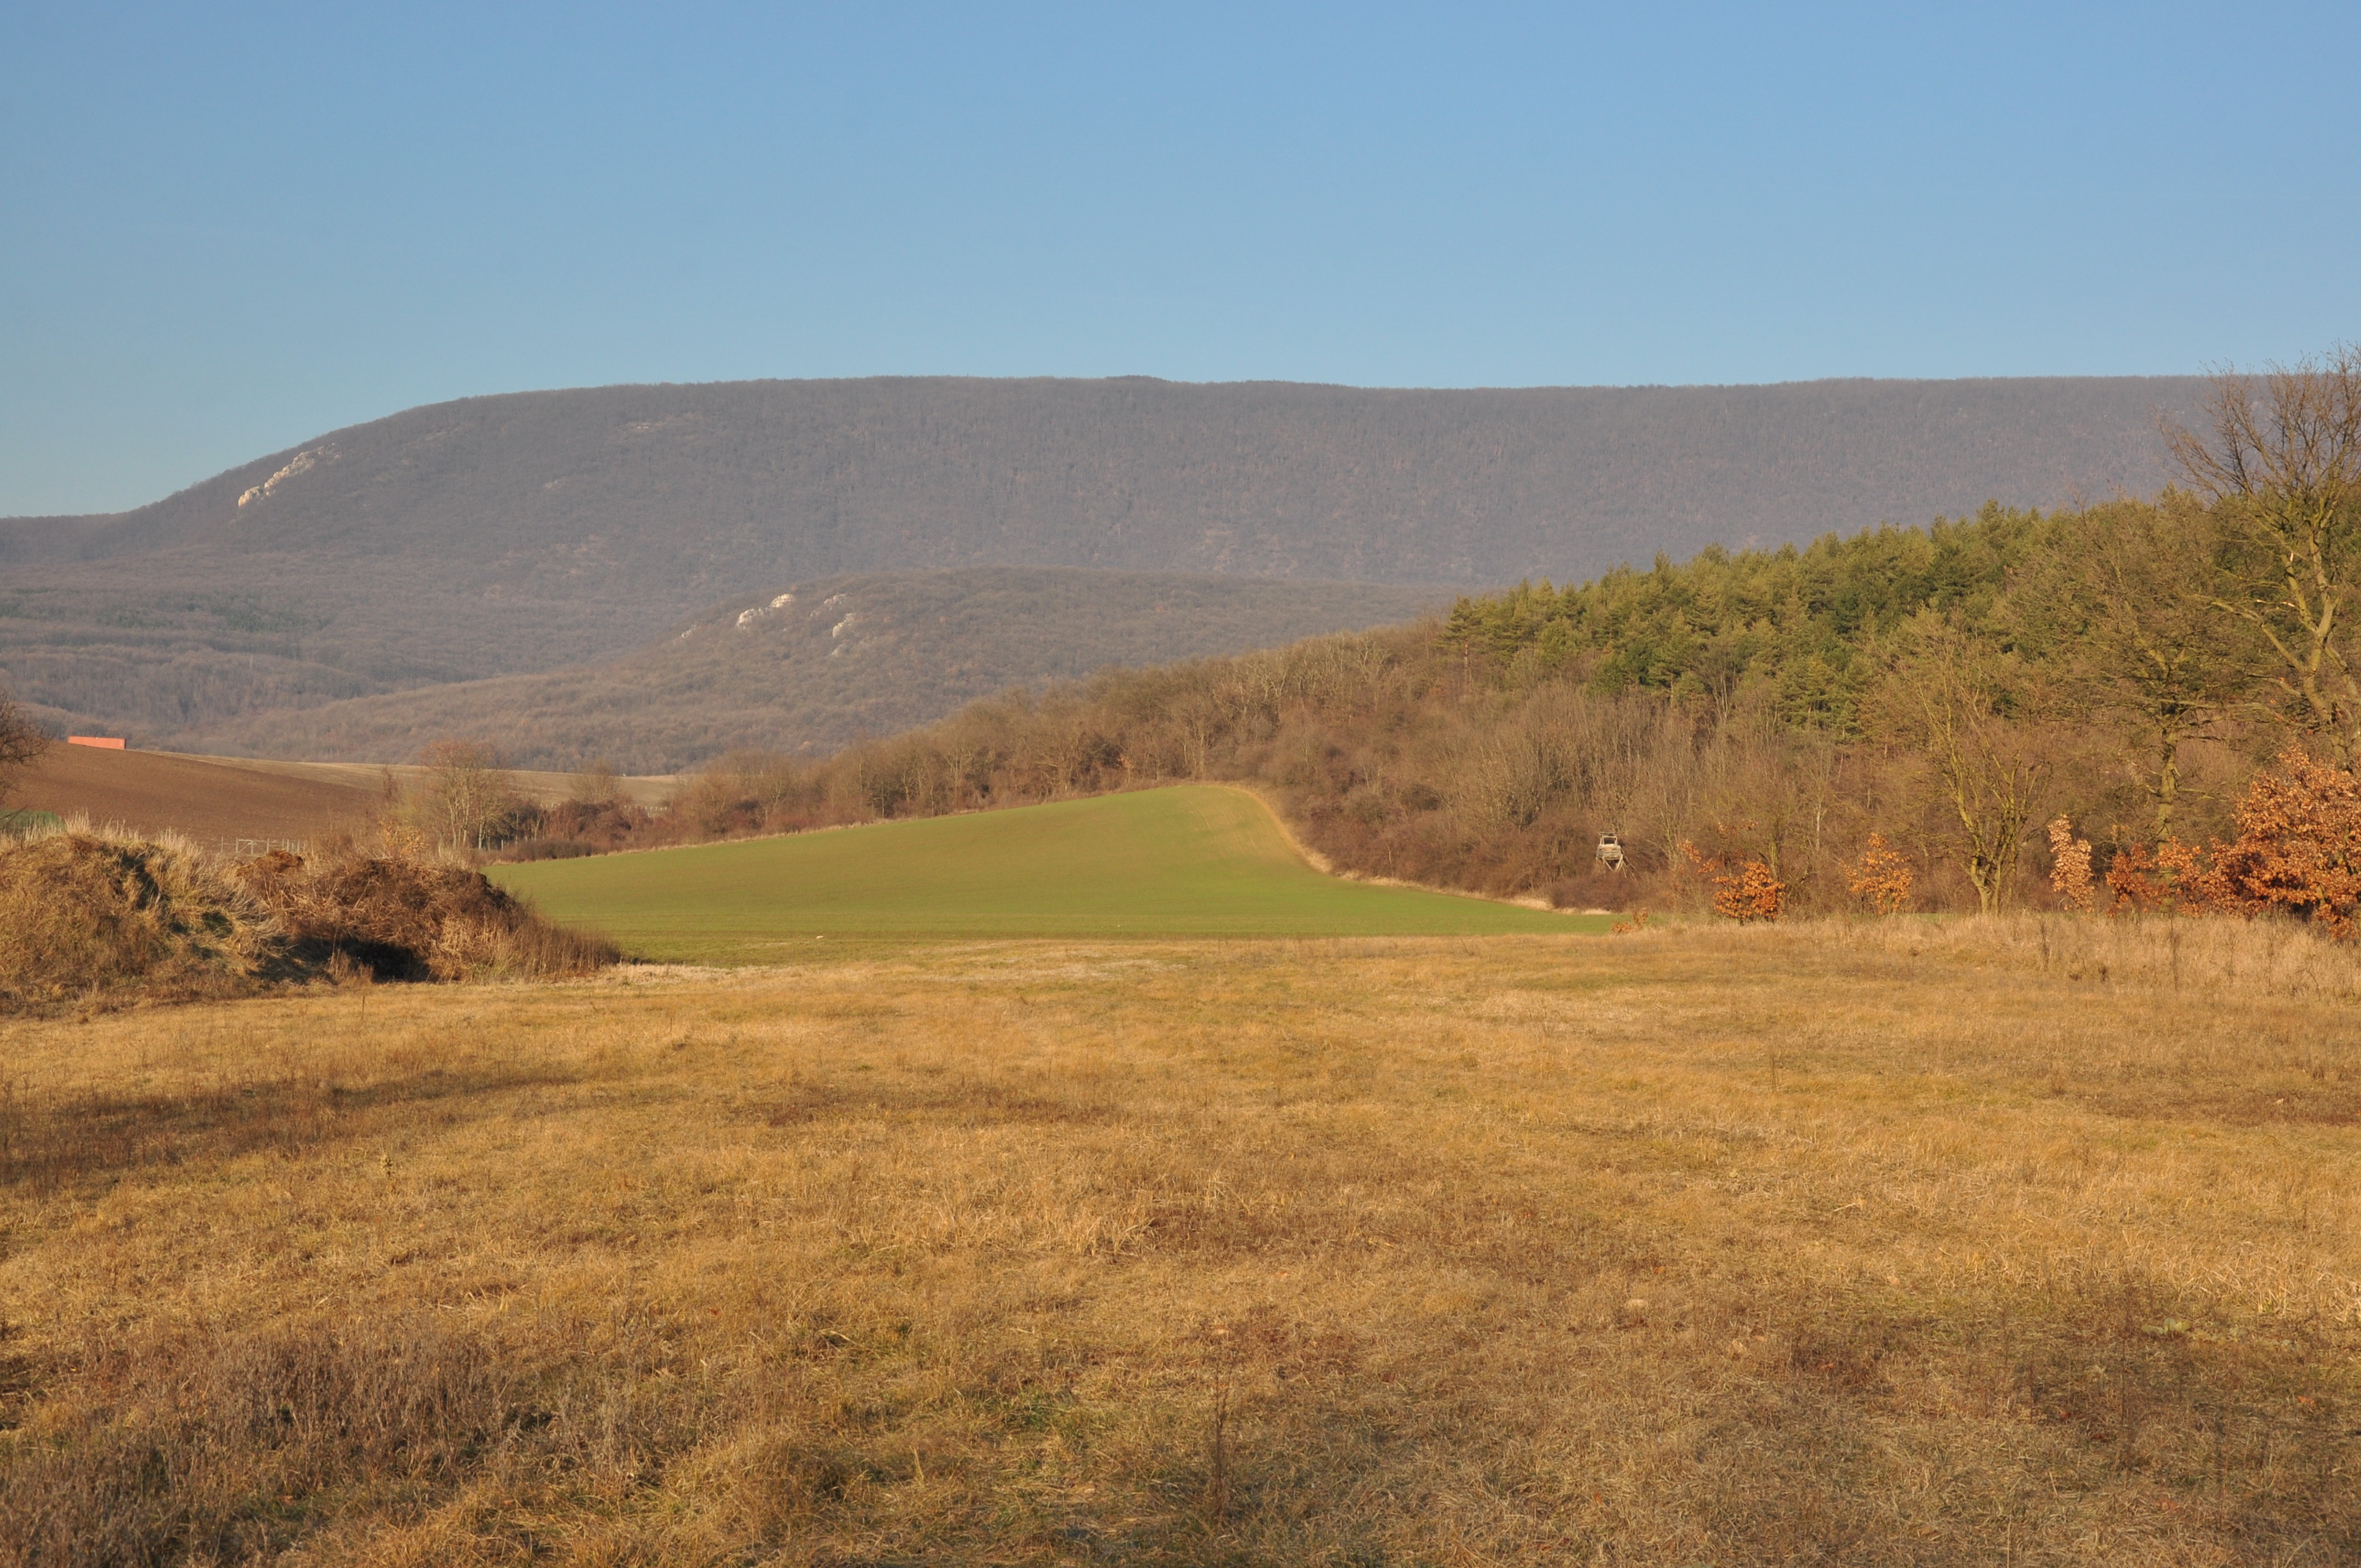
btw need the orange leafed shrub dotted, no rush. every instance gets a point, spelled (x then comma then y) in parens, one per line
(2298, 849)
(1751, 892)
(2173, 878)
(2069, 867)
(1881, 877)
(2299, 846)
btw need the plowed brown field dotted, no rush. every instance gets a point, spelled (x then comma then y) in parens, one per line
(208, 798)
(222, 799)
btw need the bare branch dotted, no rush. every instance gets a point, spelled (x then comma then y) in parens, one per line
(2279, 461)
(21, 742)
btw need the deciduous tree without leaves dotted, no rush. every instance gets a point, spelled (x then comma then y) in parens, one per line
(2124, 605)
(1972, 714)
(21, 741)
(2280, 460)
(470, 802)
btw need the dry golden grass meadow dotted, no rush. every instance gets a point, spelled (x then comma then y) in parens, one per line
(2027, 1241)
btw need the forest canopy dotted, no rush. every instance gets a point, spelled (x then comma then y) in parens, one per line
(1804, 627)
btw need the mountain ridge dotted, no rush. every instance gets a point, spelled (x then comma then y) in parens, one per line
(2090, 455)
(531, 531)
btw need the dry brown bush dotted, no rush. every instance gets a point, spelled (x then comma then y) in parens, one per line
(94, 917)
(2299, 844)
(408, 919)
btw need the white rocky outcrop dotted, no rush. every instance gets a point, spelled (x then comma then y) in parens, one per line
(302, 462)
(747, 618)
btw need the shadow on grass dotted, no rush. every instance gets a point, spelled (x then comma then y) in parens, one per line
(960, 1101)
(48, 1144)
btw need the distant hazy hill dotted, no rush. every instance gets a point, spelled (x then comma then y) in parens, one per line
(498, 536)
(813, 666)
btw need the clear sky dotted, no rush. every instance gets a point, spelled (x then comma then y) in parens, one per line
(226, 227)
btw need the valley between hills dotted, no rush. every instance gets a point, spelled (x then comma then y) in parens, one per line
(980, 1055)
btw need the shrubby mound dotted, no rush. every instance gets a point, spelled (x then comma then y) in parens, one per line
(108, 919)
(403, 919)
(94, 916)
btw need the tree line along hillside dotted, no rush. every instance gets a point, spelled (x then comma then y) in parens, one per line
(1800, 630)
(527, 532)
(2152, 702)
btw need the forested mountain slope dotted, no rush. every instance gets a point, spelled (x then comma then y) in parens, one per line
(522, 532)
(818, 664)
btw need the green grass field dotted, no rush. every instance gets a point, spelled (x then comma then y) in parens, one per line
(1194, 861)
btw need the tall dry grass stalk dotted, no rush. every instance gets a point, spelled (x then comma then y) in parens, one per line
(2216, 956)
(1860, 1241)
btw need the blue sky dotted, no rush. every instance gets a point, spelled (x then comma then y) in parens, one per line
(225, 228)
